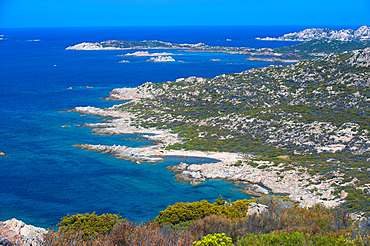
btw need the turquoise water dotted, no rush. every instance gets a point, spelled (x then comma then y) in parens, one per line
(44, 178)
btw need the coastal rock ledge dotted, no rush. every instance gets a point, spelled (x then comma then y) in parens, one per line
(16, 232)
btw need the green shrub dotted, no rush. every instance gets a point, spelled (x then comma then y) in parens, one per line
(188, 212)
(293, 238)
(214, 240)
(90, 225)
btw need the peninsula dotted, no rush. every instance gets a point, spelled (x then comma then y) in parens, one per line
(299, 129)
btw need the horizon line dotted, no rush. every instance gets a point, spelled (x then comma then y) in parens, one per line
(227, 25)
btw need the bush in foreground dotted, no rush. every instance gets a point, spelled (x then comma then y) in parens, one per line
(214, 240)
(293, 238)
(188, 212)
(125, 233)
(89, 225)
(281, 224)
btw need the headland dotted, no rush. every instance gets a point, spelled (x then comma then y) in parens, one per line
(260, 124)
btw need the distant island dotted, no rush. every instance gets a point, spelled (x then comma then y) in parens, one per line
(146, 54)
(161, 59)
(306, 50)
(127, 45)
(155, 44)
(363, 33)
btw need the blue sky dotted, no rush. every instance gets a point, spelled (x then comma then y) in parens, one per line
(64, 13)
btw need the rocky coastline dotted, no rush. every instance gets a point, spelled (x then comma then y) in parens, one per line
(297, 184)
(274, 59)
(154, 108)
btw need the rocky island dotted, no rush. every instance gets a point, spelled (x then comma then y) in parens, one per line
(316, 43)
(161, 59)
(300, 130)
(146, 54)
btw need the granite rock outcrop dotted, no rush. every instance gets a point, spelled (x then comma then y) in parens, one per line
(363, 33)
(17, 232)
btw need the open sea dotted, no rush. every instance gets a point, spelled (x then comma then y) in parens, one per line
(43, 177)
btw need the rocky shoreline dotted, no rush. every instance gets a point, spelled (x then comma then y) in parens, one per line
(297, 184)
(16, 232)
(274, 59)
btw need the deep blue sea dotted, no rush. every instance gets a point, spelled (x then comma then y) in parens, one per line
(44, 178)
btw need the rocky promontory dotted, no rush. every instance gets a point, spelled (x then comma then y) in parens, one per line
(90, 46)
(121, 152)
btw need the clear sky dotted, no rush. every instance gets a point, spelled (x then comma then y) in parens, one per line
(65, 13)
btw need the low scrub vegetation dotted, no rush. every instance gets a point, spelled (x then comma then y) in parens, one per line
(278, 225)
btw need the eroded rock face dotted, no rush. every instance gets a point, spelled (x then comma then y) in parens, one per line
(4, 241)
(256, 208)
(271, 201)
(179, 168)
(361, 58)
(195, 178)
(16, 231)
(255, 190)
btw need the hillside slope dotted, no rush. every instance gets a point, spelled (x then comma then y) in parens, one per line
(316, 112)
